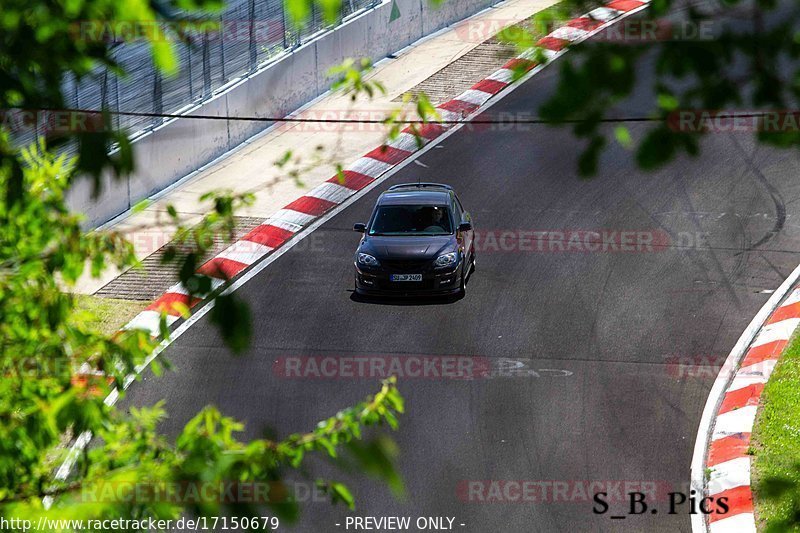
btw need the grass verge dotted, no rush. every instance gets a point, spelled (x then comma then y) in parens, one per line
(107, 315)
(775, 446)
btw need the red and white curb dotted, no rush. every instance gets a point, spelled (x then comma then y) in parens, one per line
(283, 225)
(721, 465)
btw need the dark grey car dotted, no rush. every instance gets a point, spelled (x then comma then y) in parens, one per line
(419, 240)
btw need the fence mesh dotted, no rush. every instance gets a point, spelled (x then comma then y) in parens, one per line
(245, 35)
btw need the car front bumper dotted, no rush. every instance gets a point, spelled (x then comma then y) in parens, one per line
(378, 282)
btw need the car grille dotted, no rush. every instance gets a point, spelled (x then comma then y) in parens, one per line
(399, 267)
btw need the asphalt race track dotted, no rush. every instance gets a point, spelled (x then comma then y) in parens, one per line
(602, 359)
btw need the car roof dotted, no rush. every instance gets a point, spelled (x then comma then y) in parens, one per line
(416, 193)
(405, 197)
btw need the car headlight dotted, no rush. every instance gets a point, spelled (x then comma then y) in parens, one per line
(446, 260)
(367, 260)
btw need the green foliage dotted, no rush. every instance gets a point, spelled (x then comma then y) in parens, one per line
(350, 78)
(44, 341)
(426, 110)
(206, 454)
(41, 44)
(59, 361)
(524, 35)
(704, 70)
(47, 338)
(300, 10)
(232, 316)
(623, 136)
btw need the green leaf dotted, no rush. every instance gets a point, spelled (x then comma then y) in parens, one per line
(667, 102)
(340, 493)
(299, 11)
(587, 163)
(623, 136)
(330, 10)
(656, 149)
(164, 57)
(233, 318)
(140, 206)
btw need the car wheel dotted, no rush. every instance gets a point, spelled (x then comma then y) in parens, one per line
(463, 285)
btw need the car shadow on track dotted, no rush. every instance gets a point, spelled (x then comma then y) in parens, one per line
(404, 300)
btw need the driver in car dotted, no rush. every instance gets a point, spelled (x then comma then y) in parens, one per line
(436, 223)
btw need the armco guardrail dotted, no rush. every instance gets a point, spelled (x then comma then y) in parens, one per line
(180, 146)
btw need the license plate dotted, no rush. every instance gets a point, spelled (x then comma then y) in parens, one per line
(406, 277)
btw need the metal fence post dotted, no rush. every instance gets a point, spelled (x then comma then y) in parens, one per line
(188, 46)
(222, 52)
(116, 101)
(251, 32)
(104, 90)
(287, 36)
(290, 35)
(206, 67)
(158, 102)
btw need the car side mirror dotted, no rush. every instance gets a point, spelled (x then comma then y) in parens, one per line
(465, 226)
(359, 227)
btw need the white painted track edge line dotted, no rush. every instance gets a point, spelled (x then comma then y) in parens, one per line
(204, 308)
(697, 468)
(84, 438)
(258, 267)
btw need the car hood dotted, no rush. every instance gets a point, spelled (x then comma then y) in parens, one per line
(408, 248)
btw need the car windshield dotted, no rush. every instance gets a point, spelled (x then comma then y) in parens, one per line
(412, 220)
